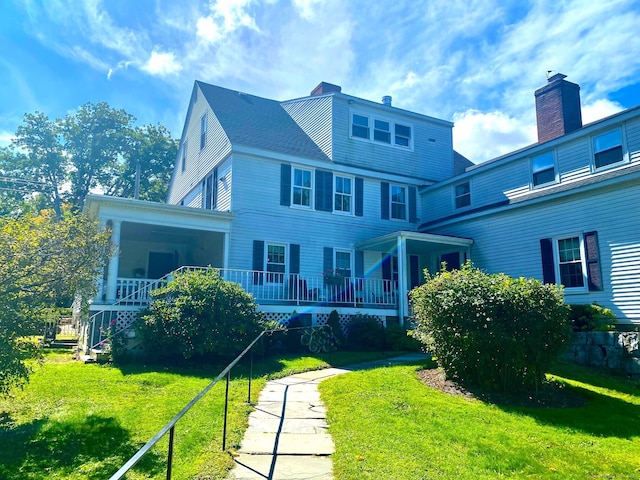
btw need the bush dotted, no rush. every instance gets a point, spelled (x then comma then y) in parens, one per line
(588, 318)
(399, 339)
(492, 331)
(365, 332)
(199, 314)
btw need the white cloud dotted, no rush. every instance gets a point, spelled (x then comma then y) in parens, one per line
(481, 136)
(599, 109)
(162, 64)
(5, 138)
(307, 9)
(226, 17)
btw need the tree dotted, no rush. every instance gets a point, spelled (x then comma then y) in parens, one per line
(95, 148)
(96, 139)
(199, 314)
(45, 262)
(492, 331)
(153, 151)
(45, 161)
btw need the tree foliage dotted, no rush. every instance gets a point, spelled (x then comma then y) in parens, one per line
(199, 314)
(45, 262)
(493, 331)
(96, 147)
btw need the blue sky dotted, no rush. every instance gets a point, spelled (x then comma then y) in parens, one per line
(474, 62)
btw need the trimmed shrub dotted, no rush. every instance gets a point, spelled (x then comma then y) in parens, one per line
(400, 339)
(199, 314)
(589, 318)
(492, 331)
(365, 332)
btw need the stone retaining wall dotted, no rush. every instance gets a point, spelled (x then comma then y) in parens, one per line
(615, 350)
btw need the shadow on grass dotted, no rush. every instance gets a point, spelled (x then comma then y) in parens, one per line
(94, 447)
(603, 415)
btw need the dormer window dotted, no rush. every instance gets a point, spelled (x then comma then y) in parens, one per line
(403, 135)
(607, 148)
(360, 126)
(381, 131)
(462, 195)
(543, 169)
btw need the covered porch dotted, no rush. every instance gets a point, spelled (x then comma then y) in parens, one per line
(405, 255)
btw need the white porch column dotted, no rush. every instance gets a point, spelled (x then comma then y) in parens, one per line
(403, 304)
(114, 261)
(225, 251)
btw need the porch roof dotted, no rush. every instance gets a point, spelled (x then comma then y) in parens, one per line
(415, 241)
(104, 207)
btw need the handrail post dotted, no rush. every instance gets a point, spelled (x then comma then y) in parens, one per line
(170, 454)
(250, 376)
(226, 407)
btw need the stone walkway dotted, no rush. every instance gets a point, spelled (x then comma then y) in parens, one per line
(287, 437)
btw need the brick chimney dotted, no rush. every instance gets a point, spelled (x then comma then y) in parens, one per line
(324, 87)
(557, 108)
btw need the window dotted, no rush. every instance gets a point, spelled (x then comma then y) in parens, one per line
(398, 202)
(209, 186)
(276, 266)
(463, 195)
(403, 135)
(343, 196)
(543, 169)
(203, 131)
(343, 263)
(607, 148)
(381, 131)
(183, 156)
(570, 262)
(360, 126)
(302, 187)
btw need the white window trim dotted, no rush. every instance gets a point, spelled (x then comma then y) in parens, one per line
(353, 195)
(583, 262)
(556, 179)
(623, 144)
(285, 274)
(455, 196)
(372, 117)
(311, 188)
(406, 202)
(351, 259)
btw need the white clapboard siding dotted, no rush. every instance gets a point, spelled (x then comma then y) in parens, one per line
(314, 115)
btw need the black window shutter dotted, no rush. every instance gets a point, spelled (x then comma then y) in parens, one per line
(384, 200)
(258, 261)
(594, 274)
(413, 200)
(294, 258)
(285, 184)
(414, 271)
(359, 261)
(548, 267)
(359, 191)
(324, 191)
(327, 259)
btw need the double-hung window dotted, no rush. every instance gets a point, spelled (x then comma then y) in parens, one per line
(276, 263)
(607, 148)
(343, 263)
(381, 131)
(343, 194)
(209, 185)
(302, 189)
(403, 135)
(398, 202)
(462, 195)
(183, 156)
(203, 131)
(571, 267)
(359, 126)
(543, 169)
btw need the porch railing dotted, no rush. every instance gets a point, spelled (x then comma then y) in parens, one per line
(280, 288)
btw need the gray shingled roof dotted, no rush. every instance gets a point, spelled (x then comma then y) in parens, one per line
(259, 122)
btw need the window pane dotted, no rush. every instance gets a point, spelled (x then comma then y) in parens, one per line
(544, 176)
(570, 262)
(275, 263)
(360, 126)
(607, 140)
(607, 148)
(571, 275)
(343, 263)
(381, 131)
(403, 135)
(608, 157)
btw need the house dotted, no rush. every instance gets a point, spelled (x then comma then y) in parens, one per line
(335, 202)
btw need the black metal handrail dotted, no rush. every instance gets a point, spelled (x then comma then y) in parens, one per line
(170, 427)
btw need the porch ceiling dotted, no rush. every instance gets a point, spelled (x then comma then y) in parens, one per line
(416, 242)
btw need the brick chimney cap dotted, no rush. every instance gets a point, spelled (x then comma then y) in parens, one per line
(325, 87)
(557, 77)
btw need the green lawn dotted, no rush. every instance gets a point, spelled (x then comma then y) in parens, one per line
(76, 421)
(387, 424)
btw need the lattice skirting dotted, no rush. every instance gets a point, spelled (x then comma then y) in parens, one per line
(317, 319)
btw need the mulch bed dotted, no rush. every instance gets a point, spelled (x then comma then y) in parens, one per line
(549, 395)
